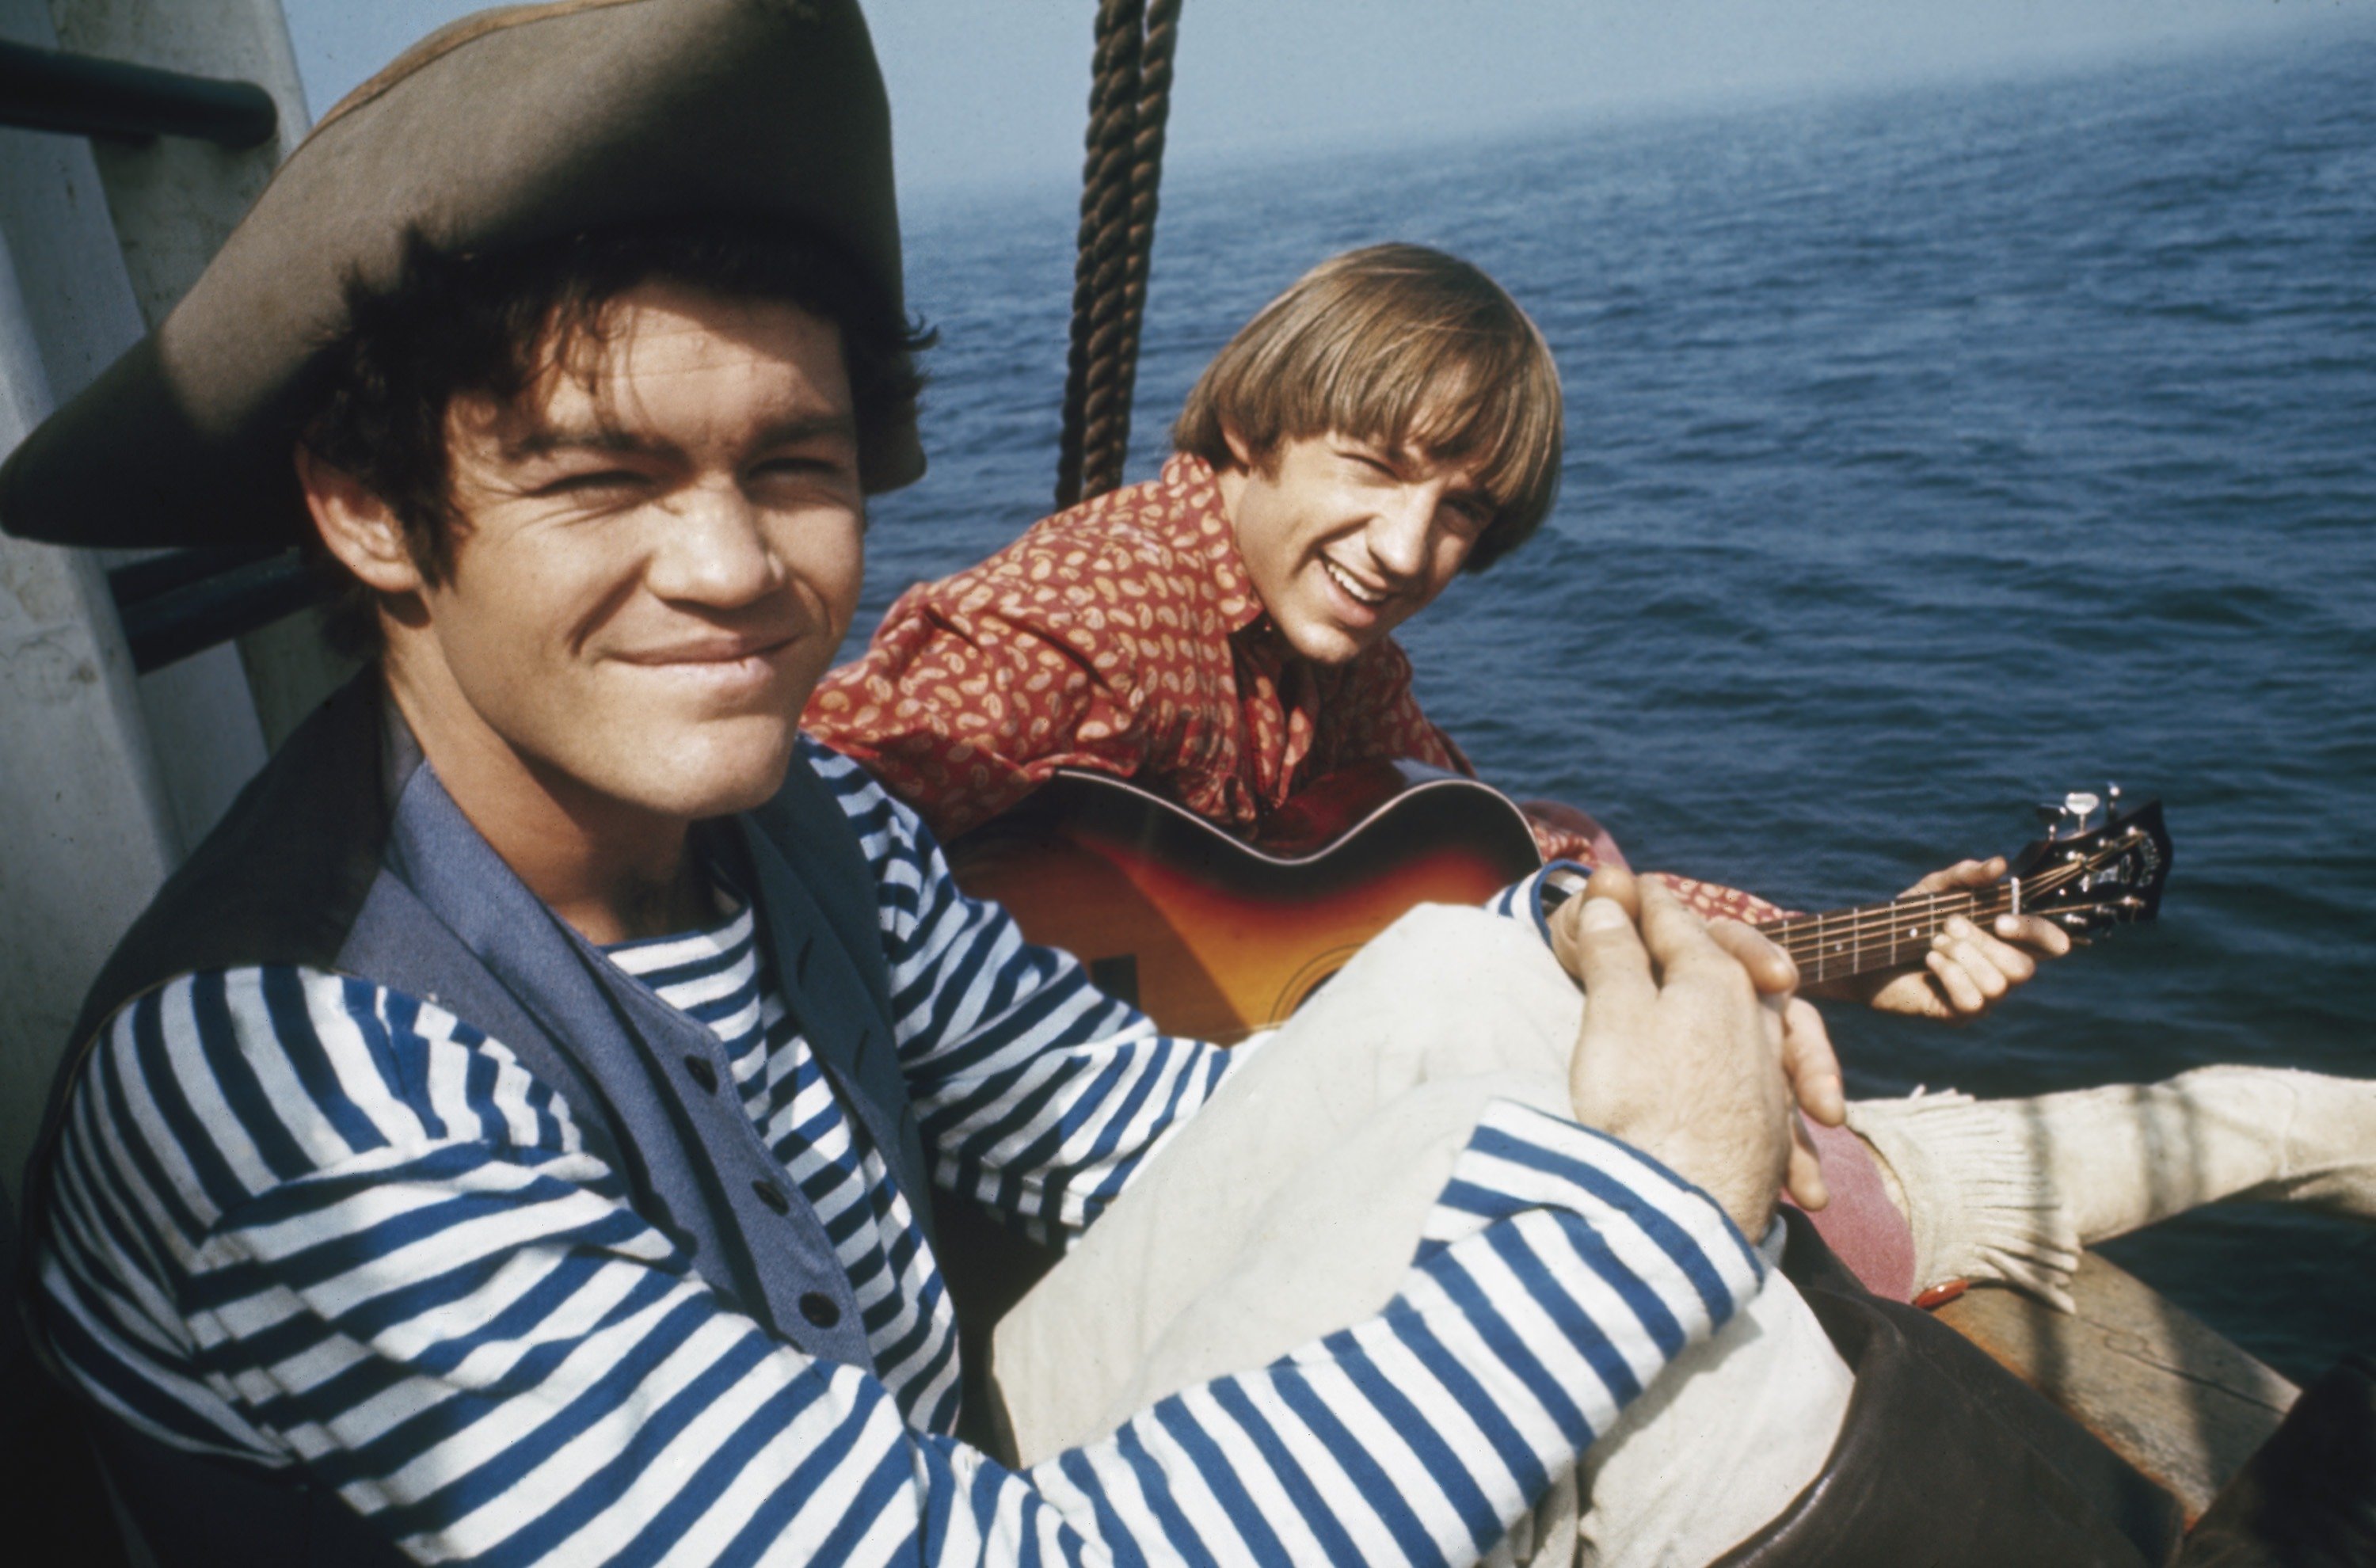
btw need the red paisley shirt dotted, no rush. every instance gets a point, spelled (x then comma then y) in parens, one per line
(1123, 636)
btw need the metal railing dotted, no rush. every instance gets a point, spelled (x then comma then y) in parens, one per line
(187, 600)
(48, 89)
(184, 602)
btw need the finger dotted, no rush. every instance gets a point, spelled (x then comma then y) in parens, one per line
(1678, 939)
(1811, 1064)
(1770, 969)
(1567, 940)
(1913, 995)
(2015, 965)
(1803, 1179)
(1972, 956)
(1986, 977)
(1614, 965)
(1962, 997)
(1618, 887)
(1963, 874)
(1617, 884)
(2035, 931)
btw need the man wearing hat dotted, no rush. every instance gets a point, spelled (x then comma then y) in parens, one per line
(510, 1136)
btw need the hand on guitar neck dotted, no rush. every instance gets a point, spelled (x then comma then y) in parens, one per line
(1958, 940)
(1968, 967)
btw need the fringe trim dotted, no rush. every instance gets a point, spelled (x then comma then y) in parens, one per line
(1980, 1205)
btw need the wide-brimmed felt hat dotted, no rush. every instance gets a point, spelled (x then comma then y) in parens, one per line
(516, 125)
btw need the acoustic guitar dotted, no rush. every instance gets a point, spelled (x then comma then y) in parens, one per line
(1215, 937)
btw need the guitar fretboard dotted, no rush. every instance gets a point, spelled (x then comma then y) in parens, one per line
(1895, 936)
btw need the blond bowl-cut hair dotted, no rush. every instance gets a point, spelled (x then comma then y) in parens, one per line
(1405, 348)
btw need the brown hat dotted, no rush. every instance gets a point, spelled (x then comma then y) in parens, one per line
(520, 124)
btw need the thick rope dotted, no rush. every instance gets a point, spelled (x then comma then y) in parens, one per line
(1129, 100)
(1103, 466)
(1113, 112)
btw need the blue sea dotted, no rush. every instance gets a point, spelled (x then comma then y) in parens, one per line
(1930, 454)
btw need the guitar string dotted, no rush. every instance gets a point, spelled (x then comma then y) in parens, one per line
(1901, 913)
(1896, 910)
(1909, 911)
(1828, 943)
(1897, 923)
(1874, 942)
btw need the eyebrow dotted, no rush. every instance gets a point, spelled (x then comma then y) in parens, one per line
(547, 440)
(1410, 454)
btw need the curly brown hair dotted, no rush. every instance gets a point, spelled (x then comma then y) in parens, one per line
(490, 326)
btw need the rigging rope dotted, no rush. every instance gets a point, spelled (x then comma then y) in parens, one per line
(1130, 98)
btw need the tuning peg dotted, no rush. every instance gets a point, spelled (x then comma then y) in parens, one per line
(2079, 924)
(2071, 816)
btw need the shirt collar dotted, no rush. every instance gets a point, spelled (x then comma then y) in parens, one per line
(1201, 529)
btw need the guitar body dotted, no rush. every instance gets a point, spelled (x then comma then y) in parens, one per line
(1215, 937)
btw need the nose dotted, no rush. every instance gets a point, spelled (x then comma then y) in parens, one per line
(713, 550)
(1399, 534)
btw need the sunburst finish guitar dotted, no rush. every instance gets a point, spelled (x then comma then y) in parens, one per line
(1215, 936)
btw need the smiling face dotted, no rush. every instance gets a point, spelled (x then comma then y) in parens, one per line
(1345, 540)
(659, 551)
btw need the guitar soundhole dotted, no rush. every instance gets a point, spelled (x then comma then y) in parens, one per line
(1116, 976)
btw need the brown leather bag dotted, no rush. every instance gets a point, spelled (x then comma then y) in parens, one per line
(1947, 1459)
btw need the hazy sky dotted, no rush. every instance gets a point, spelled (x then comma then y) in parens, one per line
(991, 91)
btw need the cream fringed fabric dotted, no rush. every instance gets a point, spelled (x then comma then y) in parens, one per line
(1980, 1202)
(2010, 1190)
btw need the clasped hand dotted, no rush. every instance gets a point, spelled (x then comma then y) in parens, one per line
(1696, 1047)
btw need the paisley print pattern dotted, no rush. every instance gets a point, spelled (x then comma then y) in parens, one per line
(1123, 636)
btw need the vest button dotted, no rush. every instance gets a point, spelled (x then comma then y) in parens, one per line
(818, 1308)
(703, 1073)
(772, 1195)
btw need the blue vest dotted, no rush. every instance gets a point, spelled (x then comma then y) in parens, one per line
(347, 854)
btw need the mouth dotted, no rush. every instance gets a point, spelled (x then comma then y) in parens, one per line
(720, 649)
(1360, 593)
(730, 658)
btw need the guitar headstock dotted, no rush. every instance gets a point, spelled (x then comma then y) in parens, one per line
(2100, 864)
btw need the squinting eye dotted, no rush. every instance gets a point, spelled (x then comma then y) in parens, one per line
(600, 480)
(807, 466)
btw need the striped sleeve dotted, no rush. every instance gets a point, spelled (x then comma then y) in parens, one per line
(302, 1219)
(1037, 1094)
(1532, 898)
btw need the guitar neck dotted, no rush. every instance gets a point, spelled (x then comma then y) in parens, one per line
(1895, 936)
(1841, 943)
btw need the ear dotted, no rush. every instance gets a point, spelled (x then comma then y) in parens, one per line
(359, 529)
(1241, 456)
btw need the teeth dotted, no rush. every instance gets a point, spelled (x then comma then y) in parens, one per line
(1360, 595)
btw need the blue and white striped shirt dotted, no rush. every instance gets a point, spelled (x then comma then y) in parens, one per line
(720, 978)
(299, 1217)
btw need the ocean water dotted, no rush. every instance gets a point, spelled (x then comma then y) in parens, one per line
(1930, 454)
